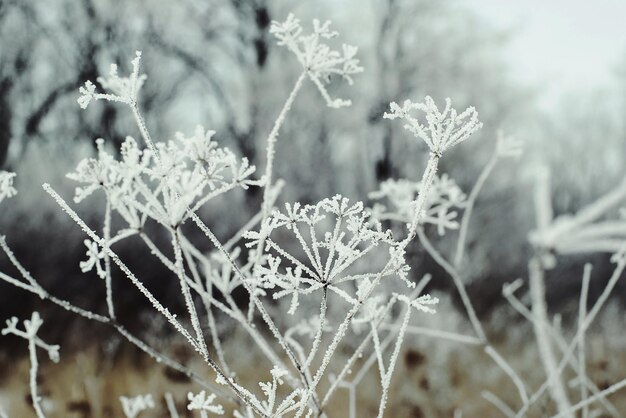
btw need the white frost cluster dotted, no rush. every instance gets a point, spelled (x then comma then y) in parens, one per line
(271, 406)
(94, 259)
(132, 407)
(318, 59)
(121, 89)
(202, 402)
(188, 172)
(334, 235)
(443, 129)
(6, 185)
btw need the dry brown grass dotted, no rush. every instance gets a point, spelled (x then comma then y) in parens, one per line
(432, 380)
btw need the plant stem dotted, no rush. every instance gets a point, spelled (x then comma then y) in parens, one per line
(32, 350)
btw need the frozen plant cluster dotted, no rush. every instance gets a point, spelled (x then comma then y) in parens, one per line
(319, 278)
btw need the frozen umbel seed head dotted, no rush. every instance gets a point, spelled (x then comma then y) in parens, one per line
(443, 129)
(122, 89)
(318, 60)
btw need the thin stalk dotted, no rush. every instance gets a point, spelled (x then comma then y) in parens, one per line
(540, 315)
(498, 403)
(435, 333)
(392, 364)
(207, 306)
(506, 367)
(582, 313)
(25, 274)
(266, 205)
(171, 406)
(318, 336)
(420, 204)
(191, 308)
(106, 235)
(271, 144)
(469, 207)
(32, 350)
(458, 282)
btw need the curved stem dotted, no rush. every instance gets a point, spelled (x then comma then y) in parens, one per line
(469, 208)
(458, 282)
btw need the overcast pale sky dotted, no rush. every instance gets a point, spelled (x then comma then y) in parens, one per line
(562, 43)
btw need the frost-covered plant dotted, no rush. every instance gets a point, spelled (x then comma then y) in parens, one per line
(331, 255)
